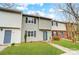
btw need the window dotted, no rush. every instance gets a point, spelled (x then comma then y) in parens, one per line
(62, 33)
(29, 33)
(55, 34)
(34, 33)
(54, 23)
(31, 20)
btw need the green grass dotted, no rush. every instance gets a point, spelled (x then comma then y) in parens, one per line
(68, 44)
(34, 48)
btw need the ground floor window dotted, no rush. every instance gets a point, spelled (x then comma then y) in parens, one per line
(30, 33)
(54, 33)
(62, 33)
(34, 33)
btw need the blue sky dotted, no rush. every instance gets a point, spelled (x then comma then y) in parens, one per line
(50, 10)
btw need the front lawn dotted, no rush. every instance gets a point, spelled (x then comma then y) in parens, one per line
(34, 48)
(68, 44)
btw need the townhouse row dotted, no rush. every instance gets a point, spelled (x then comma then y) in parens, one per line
(16, 27)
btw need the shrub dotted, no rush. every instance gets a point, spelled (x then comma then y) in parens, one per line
(12, 44)
(56, 38)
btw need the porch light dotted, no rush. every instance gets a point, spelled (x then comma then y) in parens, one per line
(1, 29)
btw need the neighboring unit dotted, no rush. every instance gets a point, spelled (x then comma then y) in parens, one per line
(59, 29)
(10, 26)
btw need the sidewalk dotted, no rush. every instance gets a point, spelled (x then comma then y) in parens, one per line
(72, 53)
(2, 47)
(66, 50)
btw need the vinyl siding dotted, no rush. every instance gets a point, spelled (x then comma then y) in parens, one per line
(8, 19)
(61, 26)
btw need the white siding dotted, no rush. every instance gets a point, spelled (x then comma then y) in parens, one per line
(8, 19)
(15, 36)
(11, 20)
(31, 27)
(61, 26)
(49, 33)
(35, 27)
(1, 36)
(44, 24)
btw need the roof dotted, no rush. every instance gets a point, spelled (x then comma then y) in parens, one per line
(38, 16)
(64, 22)
(10, 10)
(59, 21)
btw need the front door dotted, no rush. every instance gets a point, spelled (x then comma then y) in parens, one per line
(44, 35)
(7, 36)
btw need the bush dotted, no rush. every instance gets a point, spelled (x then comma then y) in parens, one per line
(12, 44)
(56, 38)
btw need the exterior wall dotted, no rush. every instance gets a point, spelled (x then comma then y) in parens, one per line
(60, 35)
(64, 35)
(15, 36)
(61, 26)
(31, 27)
(45, 24)
(49, 35)
(35, 27)
(8, 19)
(1, 37)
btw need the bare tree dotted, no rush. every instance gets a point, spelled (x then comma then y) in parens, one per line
(8, 5)
(71, 12)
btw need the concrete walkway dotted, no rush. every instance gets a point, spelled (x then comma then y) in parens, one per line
(71, 53)
(66, 50)
(2, 47)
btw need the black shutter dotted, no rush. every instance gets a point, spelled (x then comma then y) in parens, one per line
(34, 33)
(52, 23)
(26, 19)
(34, 20)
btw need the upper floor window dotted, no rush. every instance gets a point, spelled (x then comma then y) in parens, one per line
(54, 23)
(31, 20)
